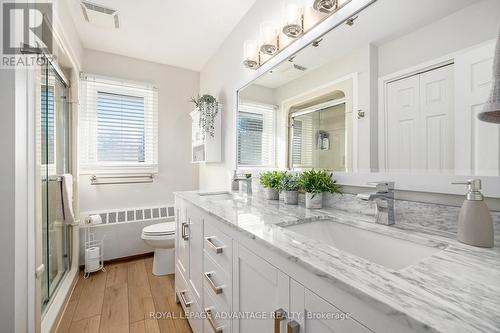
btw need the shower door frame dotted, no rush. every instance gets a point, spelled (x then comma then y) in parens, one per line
(50, 64)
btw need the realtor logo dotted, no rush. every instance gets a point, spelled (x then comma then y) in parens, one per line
(25, 25)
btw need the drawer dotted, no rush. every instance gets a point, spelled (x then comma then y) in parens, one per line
(188, 302)
(183, 293)
(217, 282)
(216, 315)
(217, 245)
(316, 307)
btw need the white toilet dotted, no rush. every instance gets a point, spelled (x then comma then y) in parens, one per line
(161, 237)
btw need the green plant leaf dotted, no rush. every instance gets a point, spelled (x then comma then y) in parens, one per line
(319, 181)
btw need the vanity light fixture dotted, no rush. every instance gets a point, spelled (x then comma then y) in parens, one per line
(251, 54)
(294, 21)
(269, 38)
(325, 6)
(295, 12)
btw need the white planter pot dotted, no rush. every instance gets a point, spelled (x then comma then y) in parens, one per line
(271, 194)
(291, 197)
(314, 200)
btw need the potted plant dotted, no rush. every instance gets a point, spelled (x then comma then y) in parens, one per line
(208, 107)
(315, 183)
(290, 186)
(271, 181)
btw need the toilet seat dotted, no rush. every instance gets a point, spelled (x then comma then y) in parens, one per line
(159, 229)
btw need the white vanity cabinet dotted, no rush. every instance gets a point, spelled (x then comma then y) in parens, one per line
(239, 285)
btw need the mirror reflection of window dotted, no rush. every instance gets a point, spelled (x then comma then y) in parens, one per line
(256, 135)
(319, 138)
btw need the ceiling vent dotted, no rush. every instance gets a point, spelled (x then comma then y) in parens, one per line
(99, 15)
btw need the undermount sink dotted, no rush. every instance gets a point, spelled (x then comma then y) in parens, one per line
(391, 252)
(222, 195)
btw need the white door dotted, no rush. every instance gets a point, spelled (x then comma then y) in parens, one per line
(182, 239)
(402, 134)
(419, 134)
(436, 120)
(260, 289)
(477, 142)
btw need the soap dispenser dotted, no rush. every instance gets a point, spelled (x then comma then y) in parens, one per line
(475, 225)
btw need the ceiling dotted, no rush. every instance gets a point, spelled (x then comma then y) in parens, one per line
(392, 19)
(178, 33)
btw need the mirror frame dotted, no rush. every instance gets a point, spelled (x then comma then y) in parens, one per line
(433, 183)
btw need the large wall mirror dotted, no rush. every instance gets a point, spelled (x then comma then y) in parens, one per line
(397, 91)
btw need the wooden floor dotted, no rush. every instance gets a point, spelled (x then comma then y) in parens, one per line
(122, 300)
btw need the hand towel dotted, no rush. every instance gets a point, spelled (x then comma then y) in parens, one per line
(67, 198)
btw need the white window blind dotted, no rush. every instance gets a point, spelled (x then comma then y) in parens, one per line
(302, 142)
(118, 126)
(256, 135)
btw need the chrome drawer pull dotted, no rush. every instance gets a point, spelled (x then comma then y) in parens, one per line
(182, 297)
(217, 249)
(211, 321)
(184, 228)
(279, 316)
(216, 289)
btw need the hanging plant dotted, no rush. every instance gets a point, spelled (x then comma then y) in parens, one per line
(208, 107)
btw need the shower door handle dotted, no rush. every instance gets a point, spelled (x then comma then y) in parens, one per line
(39, 271)
(184, 228)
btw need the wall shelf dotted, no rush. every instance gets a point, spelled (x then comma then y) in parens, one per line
(205, 148)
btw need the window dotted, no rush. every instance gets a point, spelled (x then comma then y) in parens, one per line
(47, 124)
(118, 126)
(256, 135)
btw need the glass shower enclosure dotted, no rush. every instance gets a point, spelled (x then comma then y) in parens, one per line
(54, 149)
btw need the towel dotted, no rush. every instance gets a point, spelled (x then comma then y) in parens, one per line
(55, 204)
(67, 198)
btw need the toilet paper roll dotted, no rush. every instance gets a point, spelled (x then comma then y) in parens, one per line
(94, 219)
(92, 252)
(92, 265)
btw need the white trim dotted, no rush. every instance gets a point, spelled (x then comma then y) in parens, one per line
(317, 107)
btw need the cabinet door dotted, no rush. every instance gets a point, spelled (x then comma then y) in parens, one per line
(260, 289)
(322, 317)
(181, 238)
(195, 234)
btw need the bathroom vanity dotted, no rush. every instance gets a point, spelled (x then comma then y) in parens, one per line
(246, 264)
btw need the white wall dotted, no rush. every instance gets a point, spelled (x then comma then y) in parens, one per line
(222, 76)
(467, 27)
(176, 173)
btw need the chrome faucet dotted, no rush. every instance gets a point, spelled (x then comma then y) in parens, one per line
(238, 179)
(384, 198)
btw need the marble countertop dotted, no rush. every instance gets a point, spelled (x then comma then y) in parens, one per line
(455, 290)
